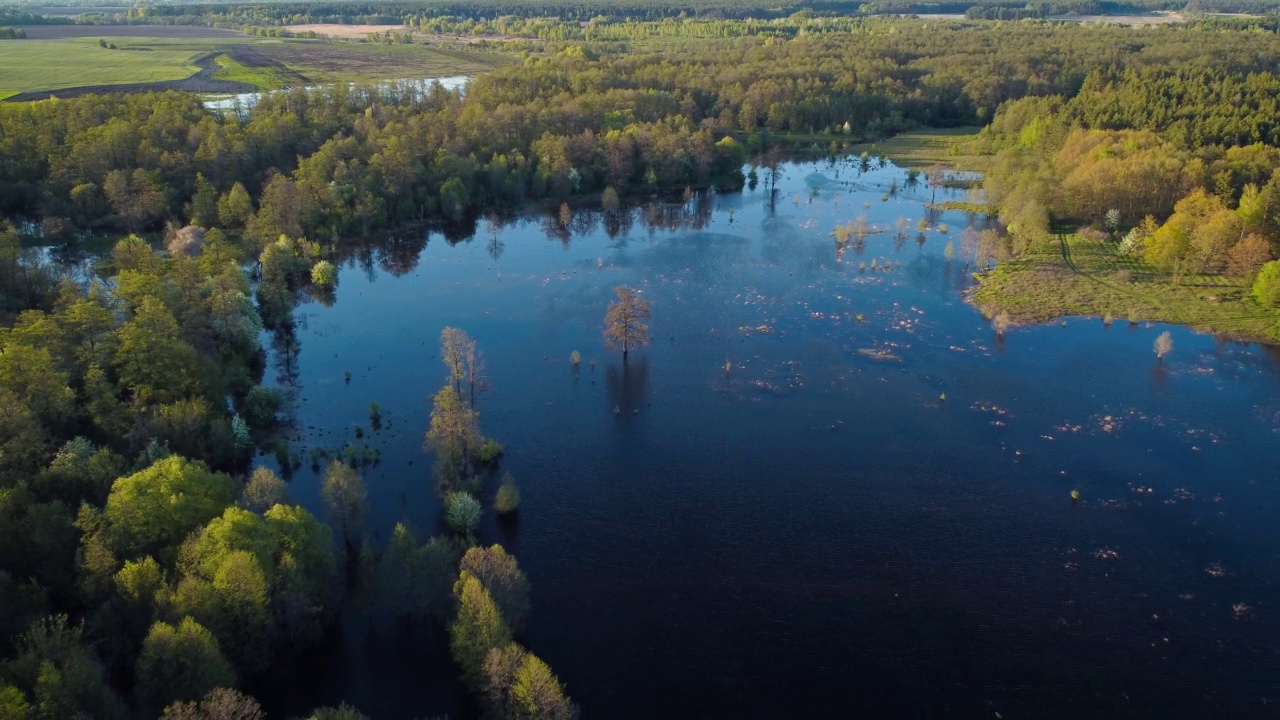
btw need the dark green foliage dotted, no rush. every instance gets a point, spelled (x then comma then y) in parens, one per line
(416, 581)
(581, 121)
(261, 406)
(57, 672)
(180, 663)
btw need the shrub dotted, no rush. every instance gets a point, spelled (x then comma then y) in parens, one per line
(490, 451)
(461, 512)
(1000, 322)
(575, 357)
(324, 273)
(1094, 234)
(261, 406)
(1266, 289)
(508, 498)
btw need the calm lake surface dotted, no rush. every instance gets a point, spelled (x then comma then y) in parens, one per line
(814, 532)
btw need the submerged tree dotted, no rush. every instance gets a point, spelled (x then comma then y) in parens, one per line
(521, 685)
(477, 629)
(1001, 323)
(624, 322)
(1163, 345)
(465, 363)
(454, 435)
(498, 571)
(345, 496)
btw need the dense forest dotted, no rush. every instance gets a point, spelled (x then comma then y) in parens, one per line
(580, 119)
(146, 568)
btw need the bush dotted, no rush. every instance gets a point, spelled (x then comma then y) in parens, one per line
(1094, 234)
(508, 497)
(490, 451)
(324, 273)
(1266, 289)
(461, 512)
(261, 406)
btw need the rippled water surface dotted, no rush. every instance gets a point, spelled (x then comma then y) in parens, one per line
(815, 531)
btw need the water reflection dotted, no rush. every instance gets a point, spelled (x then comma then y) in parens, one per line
(845, 516)
(627, 382)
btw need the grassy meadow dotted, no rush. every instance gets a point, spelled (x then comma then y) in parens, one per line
(953, 147)
(267, 63)
(1077, 276)
(76, 62)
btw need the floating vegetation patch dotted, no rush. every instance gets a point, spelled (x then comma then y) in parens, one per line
(880, 354)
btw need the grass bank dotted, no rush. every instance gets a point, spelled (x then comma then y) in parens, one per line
(957, 148)
(1076, 276)
(266, 78)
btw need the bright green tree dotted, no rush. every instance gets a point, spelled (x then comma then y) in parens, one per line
(204, 203)
(477, 629)
(235, 207)
(1266, 289)
(498, 571)
(157, 507)
(152, 362)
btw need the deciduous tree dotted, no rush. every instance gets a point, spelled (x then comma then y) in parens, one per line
(624, 325)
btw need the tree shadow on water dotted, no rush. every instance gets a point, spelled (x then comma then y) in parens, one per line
(627, 383)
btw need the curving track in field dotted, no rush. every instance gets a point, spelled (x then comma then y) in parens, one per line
(201, 82)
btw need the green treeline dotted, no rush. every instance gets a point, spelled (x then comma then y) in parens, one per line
(1187, 162)
(284, 13)
(345, 161)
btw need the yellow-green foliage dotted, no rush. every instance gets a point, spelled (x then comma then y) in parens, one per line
(160, 505)
(1093, 277)
(477, 629)
(266, 78)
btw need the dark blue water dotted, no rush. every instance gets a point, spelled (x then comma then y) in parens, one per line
(815, 531)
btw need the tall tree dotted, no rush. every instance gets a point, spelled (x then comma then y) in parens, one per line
(477, 629)
(624, 325)
(180, 663)
(345, 496)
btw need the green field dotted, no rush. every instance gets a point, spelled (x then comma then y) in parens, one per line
(75, 62)
(322, 62)
(953, 147)
(32, 65)
(1075, 276)
(266, 78)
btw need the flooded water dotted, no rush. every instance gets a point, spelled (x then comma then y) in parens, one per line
(243, 102)
(814, 531)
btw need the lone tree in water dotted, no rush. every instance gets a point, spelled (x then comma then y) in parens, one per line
(1163, 345)
(624, 322)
